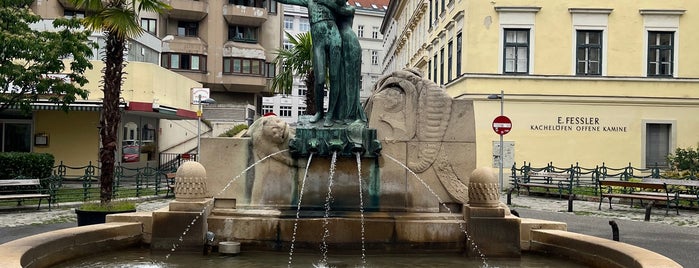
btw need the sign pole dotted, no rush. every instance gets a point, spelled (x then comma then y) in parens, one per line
(502, 113)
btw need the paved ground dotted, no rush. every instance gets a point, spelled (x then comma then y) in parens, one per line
(675, 236)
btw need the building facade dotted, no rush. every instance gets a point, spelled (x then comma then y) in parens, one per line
(586, 82)
(151, 95)
(367, 21)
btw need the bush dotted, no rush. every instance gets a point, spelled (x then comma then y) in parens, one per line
(233, 131)
(30, 165)
(684, 161)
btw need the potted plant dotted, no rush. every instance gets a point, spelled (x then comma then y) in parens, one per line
(96, 213)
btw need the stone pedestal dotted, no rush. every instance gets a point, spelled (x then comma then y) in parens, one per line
(185, 224)
(495, 232)
(169, 226)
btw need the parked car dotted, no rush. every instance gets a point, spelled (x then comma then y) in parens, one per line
(130, 153)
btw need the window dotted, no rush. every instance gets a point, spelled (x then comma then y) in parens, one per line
(267, 109)
(271, 69)
(302, 90)
(288, 23)
(449, 52)
(516, 51)
(69, 14)
(301, 111)
(430, 21)
(272, 6)
(248, 3)
(374, 57)
(287, 44)
(589, 53)
(657, 144)
(186, 28)
(148, 25)
(285, 111)
(436, 11)
(360, 31)
(16, 136)
(443, 9)
(243, 66)
(304, 26)
(434, 73)
(184, 61)
(458, 55)
(660, 51)
(241, 33)
(429, 70)
(441, 66)
(375, 32)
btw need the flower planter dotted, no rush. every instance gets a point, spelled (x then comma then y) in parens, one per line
(89, 217)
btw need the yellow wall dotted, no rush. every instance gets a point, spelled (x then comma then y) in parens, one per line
(553, 39)
(73, 136)
(146, 82)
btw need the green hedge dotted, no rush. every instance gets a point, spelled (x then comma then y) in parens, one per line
(31, 165)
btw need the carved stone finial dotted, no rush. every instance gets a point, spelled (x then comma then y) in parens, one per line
(483, 188)
(190, 182)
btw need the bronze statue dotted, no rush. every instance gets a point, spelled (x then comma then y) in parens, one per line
(337, 55)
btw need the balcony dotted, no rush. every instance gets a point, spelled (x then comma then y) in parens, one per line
(181, 44)
(188, 9)
(67, 4)
(244, 15)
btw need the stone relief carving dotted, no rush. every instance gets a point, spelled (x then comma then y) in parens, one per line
(270, 135)
(417, 110)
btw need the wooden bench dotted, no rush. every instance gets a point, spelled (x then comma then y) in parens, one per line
(685, 189)
(170, 180)
(20, 189)
(638, 190)
(547, 180)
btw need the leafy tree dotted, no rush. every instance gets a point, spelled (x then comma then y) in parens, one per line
(296, 61)
(117, 19)
(29, 57)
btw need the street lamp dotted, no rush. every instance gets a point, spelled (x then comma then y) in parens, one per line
(199, 113)
(500, 96)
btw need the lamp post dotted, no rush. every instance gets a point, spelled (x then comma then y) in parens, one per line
(500, 96)
(199, 114)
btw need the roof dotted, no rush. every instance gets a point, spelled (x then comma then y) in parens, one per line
(370, 4)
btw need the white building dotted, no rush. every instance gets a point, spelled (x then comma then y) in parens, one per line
(367, 25)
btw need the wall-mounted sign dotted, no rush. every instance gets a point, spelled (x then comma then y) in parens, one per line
(578, 124)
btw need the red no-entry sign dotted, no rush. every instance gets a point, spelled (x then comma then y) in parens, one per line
(502, 125)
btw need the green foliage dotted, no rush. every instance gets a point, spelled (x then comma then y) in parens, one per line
(111, 206)
(294, 61)
(29, 165)
(29, 57)
(684, 162)
(234, 130)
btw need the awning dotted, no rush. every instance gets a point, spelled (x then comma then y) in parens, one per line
(159, 111)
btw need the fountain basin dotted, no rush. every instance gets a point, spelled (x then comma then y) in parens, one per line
(47, 249)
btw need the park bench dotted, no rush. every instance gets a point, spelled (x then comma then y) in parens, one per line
(562, 181)
(650, 191)
(684, 189)
(21, 189)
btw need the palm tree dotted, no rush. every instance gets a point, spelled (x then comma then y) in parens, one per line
(117, 19)
(296, 61)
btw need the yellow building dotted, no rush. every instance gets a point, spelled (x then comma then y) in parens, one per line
(586, 81)
(73, 137)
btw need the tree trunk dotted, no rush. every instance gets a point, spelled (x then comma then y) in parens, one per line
(111, 115)
(310, 93)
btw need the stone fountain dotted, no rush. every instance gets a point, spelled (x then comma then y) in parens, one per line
(417, 124)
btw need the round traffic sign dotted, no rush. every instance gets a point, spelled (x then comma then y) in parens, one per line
(502, 125)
